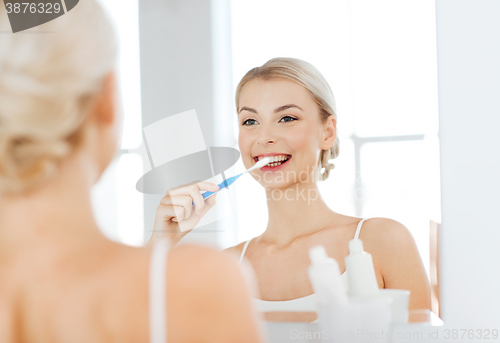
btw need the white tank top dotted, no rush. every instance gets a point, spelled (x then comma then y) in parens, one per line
(157, 292)
(302, 304)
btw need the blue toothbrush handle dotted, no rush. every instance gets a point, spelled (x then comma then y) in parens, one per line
(222, 185)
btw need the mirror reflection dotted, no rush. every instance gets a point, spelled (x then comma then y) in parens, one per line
(382, 72)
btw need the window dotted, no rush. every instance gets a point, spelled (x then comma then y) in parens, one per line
(118, 206)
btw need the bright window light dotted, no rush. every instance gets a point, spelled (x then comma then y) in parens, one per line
(129, 202)
(118, 206)
(126, 16)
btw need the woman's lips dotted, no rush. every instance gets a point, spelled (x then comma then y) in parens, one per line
(281, 166)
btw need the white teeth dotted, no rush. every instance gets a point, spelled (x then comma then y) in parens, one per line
(276, 158)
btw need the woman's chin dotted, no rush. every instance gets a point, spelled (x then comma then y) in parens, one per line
(271, 186)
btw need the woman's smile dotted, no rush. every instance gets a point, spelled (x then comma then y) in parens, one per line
(278, 161)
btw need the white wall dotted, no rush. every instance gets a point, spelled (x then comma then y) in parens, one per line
(468, 38)
(179, 41)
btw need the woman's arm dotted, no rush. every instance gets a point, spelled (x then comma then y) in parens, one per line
(396, 256)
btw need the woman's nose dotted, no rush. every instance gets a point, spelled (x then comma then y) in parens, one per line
(266, 137)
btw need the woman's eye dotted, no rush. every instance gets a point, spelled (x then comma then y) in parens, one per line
(249, 120)
(292, 118)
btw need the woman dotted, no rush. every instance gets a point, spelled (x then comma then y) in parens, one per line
(61, 279)
(286, 110)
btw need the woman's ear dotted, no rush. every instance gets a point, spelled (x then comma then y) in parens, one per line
(105, 124)
(329, 133)
(104, 109)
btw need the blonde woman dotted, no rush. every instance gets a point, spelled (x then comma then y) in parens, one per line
(61, 279)
(286, 110)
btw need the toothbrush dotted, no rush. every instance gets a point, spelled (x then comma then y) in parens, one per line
(264, 162)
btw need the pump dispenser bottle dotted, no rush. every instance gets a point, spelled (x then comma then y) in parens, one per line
(324, 274)
(360, 271)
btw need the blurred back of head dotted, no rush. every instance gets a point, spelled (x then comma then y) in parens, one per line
(50, 77)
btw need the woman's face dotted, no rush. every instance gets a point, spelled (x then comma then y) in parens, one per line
(280, 118)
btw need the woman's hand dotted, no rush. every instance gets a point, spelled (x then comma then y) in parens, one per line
(176, 216)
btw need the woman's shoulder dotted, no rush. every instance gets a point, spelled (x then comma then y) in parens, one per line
(201, 256)
(386, 238)
(376, 226)
(236, 250)
(184, 260)
(377, 233)
(380, 235)
(196, 275)
(202, 277)
(384, 230)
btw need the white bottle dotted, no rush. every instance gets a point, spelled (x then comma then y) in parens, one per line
(360, 271)
(324, 274)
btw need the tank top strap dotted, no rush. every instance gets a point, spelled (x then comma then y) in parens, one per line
(358, 229)
(157, 292)
(244, 249)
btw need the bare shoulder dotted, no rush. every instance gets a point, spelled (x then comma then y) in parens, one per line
(193, 265)
(201, 257)
(390, 243)
(384, 233)
(236, 250)
(199, 280)
(396, 255)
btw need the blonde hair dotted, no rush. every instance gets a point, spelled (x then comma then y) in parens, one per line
(49, 81)
(306, 75)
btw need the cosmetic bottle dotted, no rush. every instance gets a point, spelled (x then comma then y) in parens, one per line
(324, 274)
(360, 271)
(337, 313)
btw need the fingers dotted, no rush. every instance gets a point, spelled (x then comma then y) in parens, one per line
(179, 206)
(210, 202)
(167, 211)
(171, 217)
(176, 207)
(193, 191)
(207, 186)
(191, 222)
(202, 185)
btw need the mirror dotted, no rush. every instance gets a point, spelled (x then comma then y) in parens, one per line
(378, 57)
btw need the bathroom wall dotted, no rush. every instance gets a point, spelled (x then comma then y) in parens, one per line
(468, 36)
(183, 67)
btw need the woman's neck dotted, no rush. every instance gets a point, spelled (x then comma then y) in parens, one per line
(58, 211)
(295, 211)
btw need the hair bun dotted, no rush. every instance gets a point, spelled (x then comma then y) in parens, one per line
(24, 161)
(325, 157)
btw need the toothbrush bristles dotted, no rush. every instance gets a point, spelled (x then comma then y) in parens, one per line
(265, 161)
